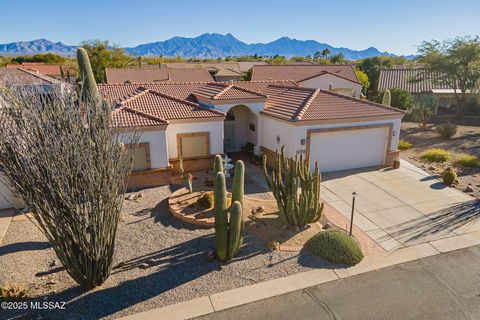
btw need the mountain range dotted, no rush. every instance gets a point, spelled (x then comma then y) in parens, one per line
(208, 45)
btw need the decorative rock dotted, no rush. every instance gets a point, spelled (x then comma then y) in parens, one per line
(54, 263)
(468, 189)
(432, 168)
(51, 282)
(143, 265)
(211, 255)
(326, 226)
(260, 209)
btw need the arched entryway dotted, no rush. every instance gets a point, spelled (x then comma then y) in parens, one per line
(240, 129)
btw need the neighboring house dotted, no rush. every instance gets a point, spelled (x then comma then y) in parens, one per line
(53, 70)
(342, 77)
(245, 65)
(143, 75)
(419, 82)
(19, 77)
(221, 71)
(198, 120)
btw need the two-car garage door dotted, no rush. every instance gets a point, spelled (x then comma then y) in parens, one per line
(348, 148)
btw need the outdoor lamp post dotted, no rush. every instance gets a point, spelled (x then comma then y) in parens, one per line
(353, 210)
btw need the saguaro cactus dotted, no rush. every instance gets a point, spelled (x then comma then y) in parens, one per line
(387, 98)
(228, 221)
(89, 85)
(287, 178)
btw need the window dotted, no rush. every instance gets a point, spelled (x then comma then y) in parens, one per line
(193, 144)
(252, 126)
(141, 157)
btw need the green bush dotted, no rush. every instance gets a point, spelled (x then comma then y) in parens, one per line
(467, 160)
(436, 155)
(404, 145)
(449, 176)
(206, 200)
(400, 99)
(447, 130)
(335, 246)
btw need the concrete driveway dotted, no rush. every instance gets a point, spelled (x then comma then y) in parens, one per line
(401, 207)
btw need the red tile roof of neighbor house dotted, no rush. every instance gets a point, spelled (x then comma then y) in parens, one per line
(124, 117)
(406, 79)
(306, 104)
(226, 91)
(20, 76)
(284, 100)
(46, 69)
(298, 73)
(142, 75)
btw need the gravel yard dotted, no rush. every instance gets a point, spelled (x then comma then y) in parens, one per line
(466, 141)
(159, 261)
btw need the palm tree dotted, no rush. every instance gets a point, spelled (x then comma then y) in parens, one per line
(338, 58)
(325, 53)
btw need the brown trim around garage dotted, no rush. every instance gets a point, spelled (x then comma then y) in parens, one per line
(330, 121)
(389, 126)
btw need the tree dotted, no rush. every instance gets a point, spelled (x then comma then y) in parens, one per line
(103, 56)
(423, 108)
(372, 67)
(338, 58)
(317, 55)
(456, 63)
(400, 99)
(325, 53)
(362, 76)
(50, 58)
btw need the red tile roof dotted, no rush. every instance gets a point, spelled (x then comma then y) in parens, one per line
(22, 76)
(301, 72)
(46, 69)
(124, 117)
(305, 104)
(289, 102)
(225, 91)
(141, 75)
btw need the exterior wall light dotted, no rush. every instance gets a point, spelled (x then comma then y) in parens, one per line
(302, 142)
(394, 133)
(278, 139)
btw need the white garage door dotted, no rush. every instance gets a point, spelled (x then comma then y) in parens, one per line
(348, 149)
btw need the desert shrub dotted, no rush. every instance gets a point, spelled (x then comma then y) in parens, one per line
(335, 246)
(404, 145)
(11, 292)
(436, 155)
(65, 160)
(423, 108)
(467, 160)
(449, 176)
(447, 130)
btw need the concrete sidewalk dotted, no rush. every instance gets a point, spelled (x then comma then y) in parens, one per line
(442, 287)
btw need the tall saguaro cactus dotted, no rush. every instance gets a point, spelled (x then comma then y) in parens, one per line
(289, 176)
(228, 221)
(89, 85)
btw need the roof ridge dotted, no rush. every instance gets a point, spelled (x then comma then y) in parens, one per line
(248, 90)
(39, 76)
(363, 101)
(225, 89)
(139, 91)
(292, 87)
(141, 113)
(307, 104)
(196, 105)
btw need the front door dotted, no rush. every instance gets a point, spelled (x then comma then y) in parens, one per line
(229, 142)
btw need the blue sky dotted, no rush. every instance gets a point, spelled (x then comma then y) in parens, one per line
(394, 26)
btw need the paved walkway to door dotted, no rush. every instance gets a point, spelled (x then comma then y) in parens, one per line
(401, 207)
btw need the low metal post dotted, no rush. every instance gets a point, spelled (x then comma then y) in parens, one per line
(353, 210)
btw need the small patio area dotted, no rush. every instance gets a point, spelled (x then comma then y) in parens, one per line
(402, 207)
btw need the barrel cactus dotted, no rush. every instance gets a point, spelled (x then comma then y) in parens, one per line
(289, 176)
(449, 176)
(228, 220)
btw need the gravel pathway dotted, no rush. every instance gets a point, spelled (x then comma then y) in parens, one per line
(159, 261)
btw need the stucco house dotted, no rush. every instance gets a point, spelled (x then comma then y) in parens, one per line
(197, 120)
(139, 75)
(342, 77)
